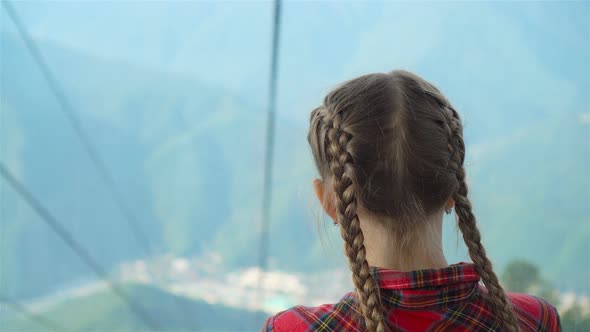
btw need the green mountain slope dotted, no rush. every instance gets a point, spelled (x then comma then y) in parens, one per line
(103, 311)
(532, 193)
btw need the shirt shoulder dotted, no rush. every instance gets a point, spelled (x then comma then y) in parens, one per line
(535, 313)
(327, 317)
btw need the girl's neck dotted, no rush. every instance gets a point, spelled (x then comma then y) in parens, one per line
(408, 251)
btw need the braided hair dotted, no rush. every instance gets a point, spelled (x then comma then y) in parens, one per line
(468, 226)
(341, 164)
(392, 145)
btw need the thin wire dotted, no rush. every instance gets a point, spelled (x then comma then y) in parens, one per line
(91, 149)
(16, 306)
(268, 158)
(3, 246)
(86, 141)
(63, 233)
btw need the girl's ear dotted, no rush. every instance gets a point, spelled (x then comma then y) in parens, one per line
(450, 204)
(325, 198)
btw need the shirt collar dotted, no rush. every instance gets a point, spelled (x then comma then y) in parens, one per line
(453, 274)
(425, 289)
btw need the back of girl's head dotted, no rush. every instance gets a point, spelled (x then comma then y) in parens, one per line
(399, 135)
(392, 145)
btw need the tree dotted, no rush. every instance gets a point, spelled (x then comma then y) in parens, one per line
(524, 277)
(520, 276)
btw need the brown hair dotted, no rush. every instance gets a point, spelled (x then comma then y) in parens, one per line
(392, 144)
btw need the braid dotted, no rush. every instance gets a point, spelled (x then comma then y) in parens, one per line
(341, 162)
(467, 224)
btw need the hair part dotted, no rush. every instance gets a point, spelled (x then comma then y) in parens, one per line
(392, 145)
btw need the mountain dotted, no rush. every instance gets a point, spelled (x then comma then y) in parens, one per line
(181, 131)
(531, 192)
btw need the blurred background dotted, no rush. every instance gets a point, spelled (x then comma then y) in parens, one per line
(133, 143)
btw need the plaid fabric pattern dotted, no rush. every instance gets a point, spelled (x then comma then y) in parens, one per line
(448, 299)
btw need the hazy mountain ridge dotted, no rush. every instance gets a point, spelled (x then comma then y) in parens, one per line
(533, 188)
(175, 200)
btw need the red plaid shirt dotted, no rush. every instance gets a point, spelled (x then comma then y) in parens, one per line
(448, 299)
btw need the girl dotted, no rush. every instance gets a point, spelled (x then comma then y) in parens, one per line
(389, 149)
